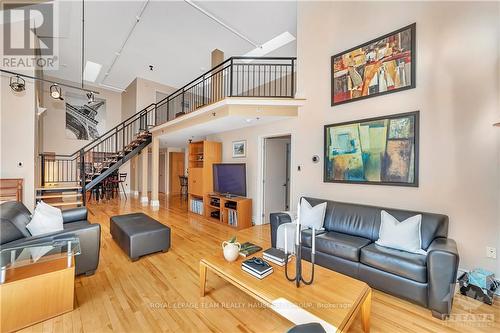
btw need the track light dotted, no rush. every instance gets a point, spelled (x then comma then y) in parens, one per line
(17, 83)
(90, 97)
(56, 92)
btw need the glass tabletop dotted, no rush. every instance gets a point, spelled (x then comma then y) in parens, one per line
(28, 254)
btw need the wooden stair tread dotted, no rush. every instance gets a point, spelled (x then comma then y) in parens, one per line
(53, 196)
(62, 188)
(68, 203)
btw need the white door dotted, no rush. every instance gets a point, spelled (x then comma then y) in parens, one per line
(276, 175)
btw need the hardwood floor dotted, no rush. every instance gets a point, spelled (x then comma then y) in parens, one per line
(160, 292)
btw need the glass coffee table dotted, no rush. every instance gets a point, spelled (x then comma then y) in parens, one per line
(37, 281)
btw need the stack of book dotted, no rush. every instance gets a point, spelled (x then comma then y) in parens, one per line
(275, 256)
(232, 217)
(197, 206)
(256, 269)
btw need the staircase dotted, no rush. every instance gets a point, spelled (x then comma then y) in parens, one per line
(65, 179)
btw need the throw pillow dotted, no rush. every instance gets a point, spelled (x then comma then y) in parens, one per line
(311, 217)
(405, 235)
(46, 219)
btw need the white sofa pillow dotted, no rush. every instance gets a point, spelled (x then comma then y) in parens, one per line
(45, 219)
(311, 217)
(405, 235)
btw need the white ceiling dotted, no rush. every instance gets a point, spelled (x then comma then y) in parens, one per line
(179, 138)
(173, 36)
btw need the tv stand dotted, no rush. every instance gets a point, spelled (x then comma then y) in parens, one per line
(234, 211)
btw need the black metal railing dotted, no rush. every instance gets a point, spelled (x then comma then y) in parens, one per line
(272, 77)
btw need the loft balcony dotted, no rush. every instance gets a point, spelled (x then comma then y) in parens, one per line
(240, 92)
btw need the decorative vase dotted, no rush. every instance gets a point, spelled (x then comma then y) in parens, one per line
(231, 250)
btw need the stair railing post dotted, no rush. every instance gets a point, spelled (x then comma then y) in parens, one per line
(116, 140)
(168, 111)
(156, 115)
(82, 175)
(292, 93)
(203, 88)
(123, 137)
(42, 170)
(182, 103)
(231, 66)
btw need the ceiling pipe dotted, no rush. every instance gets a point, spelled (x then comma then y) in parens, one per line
(49, 81)
(119, 52)
(214, 18)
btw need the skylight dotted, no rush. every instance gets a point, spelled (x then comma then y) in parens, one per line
(91, 71)
(271, 45)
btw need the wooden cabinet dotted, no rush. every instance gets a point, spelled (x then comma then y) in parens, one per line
(35, 293)
(235, 212)
(202, 156)
(195, 181)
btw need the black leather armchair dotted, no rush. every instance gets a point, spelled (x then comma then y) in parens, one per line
(14, 217)
(348, 246)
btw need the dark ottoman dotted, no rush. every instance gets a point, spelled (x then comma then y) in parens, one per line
(138, 234)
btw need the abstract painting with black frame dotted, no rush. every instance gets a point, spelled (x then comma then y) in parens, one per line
(379, 151)
(381, 66)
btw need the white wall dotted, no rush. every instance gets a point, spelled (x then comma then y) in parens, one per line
(17, 136)
(457, 94)
(254, 137)
(139, 94)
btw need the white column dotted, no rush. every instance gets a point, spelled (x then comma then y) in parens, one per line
(155, 160)
(144, 190)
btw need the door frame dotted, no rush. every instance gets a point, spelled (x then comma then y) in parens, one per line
(260, 177)
(170, 161)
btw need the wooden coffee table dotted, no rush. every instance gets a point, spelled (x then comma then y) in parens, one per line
(333, 300)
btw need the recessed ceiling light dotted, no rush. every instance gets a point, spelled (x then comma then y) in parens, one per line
(91, 71)
(271, 45)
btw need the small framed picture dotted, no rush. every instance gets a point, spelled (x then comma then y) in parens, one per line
(239, 148)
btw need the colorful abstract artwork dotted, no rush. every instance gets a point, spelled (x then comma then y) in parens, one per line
(381, 66)
(380, 151)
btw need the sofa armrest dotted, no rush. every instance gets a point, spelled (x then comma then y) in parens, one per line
(74, 214)
(442, 267)
(277, 219)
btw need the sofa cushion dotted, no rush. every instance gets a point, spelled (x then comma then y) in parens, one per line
(46, 219)
(17, 214)
(409, 265)
(337, 244)
(9, 232)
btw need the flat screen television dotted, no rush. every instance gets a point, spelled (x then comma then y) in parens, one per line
(230, 179)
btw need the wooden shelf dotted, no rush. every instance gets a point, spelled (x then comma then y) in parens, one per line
(243, 210)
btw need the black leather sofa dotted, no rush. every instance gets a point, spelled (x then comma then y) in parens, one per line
(348, 246)
(14, 217)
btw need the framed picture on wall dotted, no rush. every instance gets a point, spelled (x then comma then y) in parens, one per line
(380, 151)
(381, 66)
(84, 120)
(239, 148)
